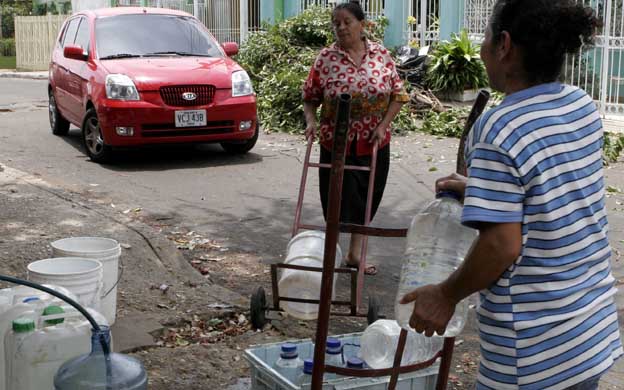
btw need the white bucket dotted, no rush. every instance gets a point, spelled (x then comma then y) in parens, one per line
(81, 276)
(105, 250)
(305, 249)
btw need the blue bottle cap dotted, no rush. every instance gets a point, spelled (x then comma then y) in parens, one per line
(308, 365)
(449, 194)
(354, 362)
(289, 348)
(30, 299)
(333, 343)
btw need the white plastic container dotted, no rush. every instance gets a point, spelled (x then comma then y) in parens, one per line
(15, 297)
(37, 347)
(105, 250)
(436, 245)
(380, 340)
(81, 276)
(305, 249)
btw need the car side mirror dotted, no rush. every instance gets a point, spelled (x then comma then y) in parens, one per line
(74, 52)
(231, 48)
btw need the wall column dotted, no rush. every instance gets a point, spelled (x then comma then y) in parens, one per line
(397, 14)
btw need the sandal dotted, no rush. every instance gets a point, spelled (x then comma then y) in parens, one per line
(369, 270)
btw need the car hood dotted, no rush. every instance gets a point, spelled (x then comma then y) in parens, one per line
(149, 74)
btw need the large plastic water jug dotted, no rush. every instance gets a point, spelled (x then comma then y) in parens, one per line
(380, 340)
(305, 249)
(105, 250)
(97, 371)
(436, 245)
(20, 300)
(40, 342)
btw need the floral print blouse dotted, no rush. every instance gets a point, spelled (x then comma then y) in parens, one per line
(372, 85)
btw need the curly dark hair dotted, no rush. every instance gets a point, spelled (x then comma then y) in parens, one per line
(545, 30)
(353, 7)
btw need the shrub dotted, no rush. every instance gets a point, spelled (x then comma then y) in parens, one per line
(7, 47)
(455, 66)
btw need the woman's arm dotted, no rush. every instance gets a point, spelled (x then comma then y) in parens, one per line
(380, 132)
(309, 110)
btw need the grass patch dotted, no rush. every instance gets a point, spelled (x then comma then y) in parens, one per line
(7, 62)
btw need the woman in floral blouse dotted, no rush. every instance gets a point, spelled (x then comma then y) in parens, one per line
(365, 70)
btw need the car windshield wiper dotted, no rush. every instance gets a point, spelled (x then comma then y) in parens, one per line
(178, 53)
(121, 55)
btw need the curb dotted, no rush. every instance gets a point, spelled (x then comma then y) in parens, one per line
(24, 75)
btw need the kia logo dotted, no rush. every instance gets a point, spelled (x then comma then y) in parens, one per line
(189, 96)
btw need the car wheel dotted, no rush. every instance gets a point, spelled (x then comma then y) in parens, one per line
(93, 140)
(59, 125)
(241, 147)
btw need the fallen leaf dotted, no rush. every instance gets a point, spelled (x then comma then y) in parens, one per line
(613, 189)
(433, 169)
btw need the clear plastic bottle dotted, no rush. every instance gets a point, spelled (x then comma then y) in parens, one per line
(380, 340)
(306, 374)
(289, 364)
(436, 245)
(97, 371)
(333, 353)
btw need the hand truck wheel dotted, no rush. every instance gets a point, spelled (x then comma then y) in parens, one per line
(258, 307)
(373, 309)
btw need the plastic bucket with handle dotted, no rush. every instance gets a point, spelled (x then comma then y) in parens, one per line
(105, 250)
(81, 276)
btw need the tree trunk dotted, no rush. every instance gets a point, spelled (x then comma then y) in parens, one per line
(0, 23)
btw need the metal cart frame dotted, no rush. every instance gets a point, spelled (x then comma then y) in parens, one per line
(332, 230)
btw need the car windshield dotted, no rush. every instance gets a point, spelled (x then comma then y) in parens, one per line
(127, 36)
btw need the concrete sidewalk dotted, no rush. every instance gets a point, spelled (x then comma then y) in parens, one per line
(11, 73)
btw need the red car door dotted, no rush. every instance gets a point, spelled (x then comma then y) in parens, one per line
(61, 70)
(78, 72)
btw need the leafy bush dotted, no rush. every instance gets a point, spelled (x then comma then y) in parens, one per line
(279, 58)
(612, 147)
(7, 47)
(455, 66)
(448, 123)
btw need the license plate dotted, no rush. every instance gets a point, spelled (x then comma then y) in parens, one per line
(190, 118)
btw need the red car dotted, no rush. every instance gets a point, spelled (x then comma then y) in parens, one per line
(137, 76)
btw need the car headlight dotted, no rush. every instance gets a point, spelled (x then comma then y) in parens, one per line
(241, 84)
(121, 87)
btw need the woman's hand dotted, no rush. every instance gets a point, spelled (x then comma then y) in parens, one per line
(379, 133)
(433, 309)
(453, 182)
(310, 131)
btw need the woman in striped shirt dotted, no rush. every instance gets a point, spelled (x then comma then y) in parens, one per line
(535, 191)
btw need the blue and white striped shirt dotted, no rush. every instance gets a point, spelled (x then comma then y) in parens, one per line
(550, 321)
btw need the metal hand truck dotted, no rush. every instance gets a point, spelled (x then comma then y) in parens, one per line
(260, 312)
(332, 230)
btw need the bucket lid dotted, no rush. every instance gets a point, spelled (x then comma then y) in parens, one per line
(53, 309)
(23, 325)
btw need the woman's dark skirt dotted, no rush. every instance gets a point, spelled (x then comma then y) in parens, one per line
(355, 184)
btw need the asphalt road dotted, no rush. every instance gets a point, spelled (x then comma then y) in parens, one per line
(248, 201)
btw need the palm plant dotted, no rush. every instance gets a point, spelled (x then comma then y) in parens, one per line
(456, 66)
